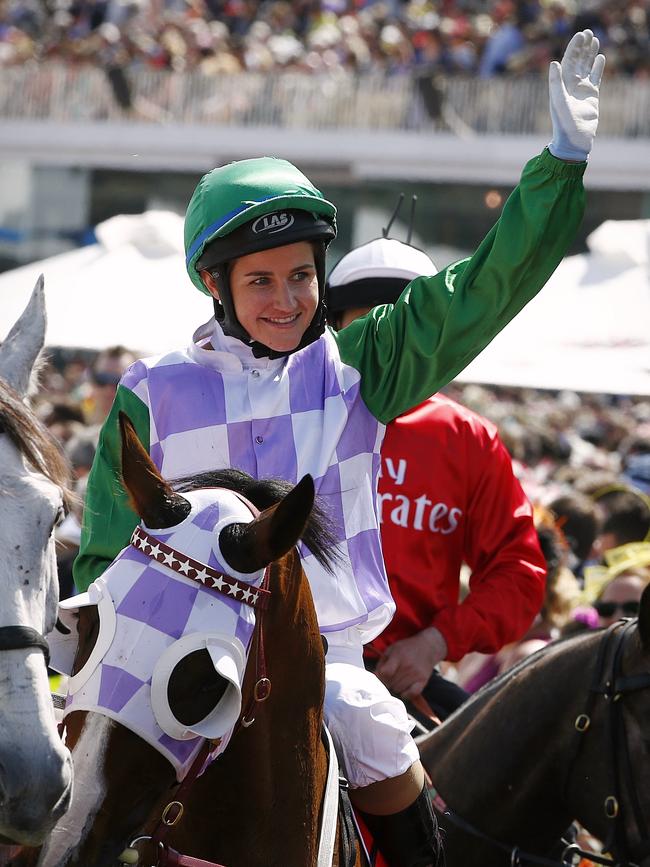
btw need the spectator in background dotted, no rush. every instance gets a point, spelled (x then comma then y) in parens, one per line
(64, 419)
(80, 452)
(626, 518)
(105, 375)
(505, 40)
(447, 496)
(495, 38)
(620, 597)
(561, 596)
(575, 515)
(635, 454)
(630, 562)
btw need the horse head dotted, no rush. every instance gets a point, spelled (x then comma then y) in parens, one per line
(621, 714)
(162, 664)
(562, 736)
(35, 767)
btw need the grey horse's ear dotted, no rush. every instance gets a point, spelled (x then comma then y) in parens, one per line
(24, 342)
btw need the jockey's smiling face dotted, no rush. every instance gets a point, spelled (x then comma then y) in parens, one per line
(274, 292)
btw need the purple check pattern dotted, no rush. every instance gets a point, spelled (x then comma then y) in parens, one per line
(303, 414)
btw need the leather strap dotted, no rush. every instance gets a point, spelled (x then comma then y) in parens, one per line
(219, 582)
(327, 839)
(22, 638)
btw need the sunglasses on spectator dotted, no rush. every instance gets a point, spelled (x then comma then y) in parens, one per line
(100, 378)
(627, 609)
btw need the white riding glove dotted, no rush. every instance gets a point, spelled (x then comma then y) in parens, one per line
(573, 89)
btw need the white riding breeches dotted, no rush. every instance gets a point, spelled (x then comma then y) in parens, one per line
(370, 727)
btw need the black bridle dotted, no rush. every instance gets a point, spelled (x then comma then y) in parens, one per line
(22, 638)
(610, 684)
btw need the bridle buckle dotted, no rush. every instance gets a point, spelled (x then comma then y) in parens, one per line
(165, 818)
(262, 689)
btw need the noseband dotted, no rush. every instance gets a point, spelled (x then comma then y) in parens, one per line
(22, 638)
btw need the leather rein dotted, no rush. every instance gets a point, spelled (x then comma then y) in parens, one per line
(611, 685)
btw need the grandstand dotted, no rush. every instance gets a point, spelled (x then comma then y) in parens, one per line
(117, 106)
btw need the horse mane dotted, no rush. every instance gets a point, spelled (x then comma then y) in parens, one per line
(528, 661)
(318, 536)
(32, 439)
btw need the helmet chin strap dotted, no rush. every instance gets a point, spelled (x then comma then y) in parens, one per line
(260, 350)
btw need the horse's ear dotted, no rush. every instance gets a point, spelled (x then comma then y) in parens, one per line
(644, 619)
(22, 345)
(151, 496)
(251, 547)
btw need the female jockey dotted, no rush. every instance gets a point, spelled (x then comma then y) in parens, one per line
(267, 388)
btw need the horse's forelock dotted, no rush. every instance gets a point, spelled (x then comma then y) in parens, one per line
(318, 537)
(33, 439)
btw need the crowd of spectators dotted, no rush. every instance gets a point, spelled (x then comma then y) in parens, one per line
(218, 37)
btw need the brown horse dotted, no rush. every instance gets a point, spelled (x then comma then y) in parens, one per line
(563, 736)
(262, 798)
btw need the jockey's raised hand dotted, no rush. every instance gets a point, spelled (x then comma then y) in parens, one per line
(573, 89)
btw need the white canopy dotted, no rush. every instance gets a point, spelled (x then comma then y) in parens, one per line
(589, 327)
(129, 288)
(587, 330)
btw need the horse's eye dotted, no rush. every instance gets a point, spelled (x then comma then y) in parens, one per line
(58, 519)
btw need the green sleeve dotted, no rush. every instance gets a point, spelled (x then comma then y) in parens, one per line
(108, 519)
(407, 351)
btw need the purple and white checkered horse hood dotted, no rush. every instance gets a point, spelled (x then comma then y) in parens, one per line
(151, 617)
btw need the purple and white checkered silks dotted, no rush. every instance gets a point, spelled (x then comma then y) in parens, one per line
(281, 418)
(151, 617)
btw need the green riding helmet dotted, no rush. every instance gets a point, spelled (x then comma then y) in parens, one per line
(248, 206)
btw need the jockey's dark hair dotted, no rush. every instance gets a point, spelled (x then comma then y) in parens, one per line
(319, 536)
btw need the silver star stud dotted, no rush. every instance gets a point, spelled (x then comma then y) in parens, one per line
(233, 590)
(140, 542)
(168, 560)
(184, 567)
(201, 575)
(218, 582)
(155, 552)
(254, 598)
(246, 595)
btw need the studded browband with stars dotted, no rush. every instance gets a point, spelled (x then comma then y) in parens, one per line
(210, 578)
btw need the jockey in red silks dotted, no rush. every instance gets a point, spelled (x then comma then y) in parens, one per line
(266, 387)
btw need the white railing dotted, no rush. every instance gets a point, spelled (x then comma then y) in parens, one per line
(467, 106)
